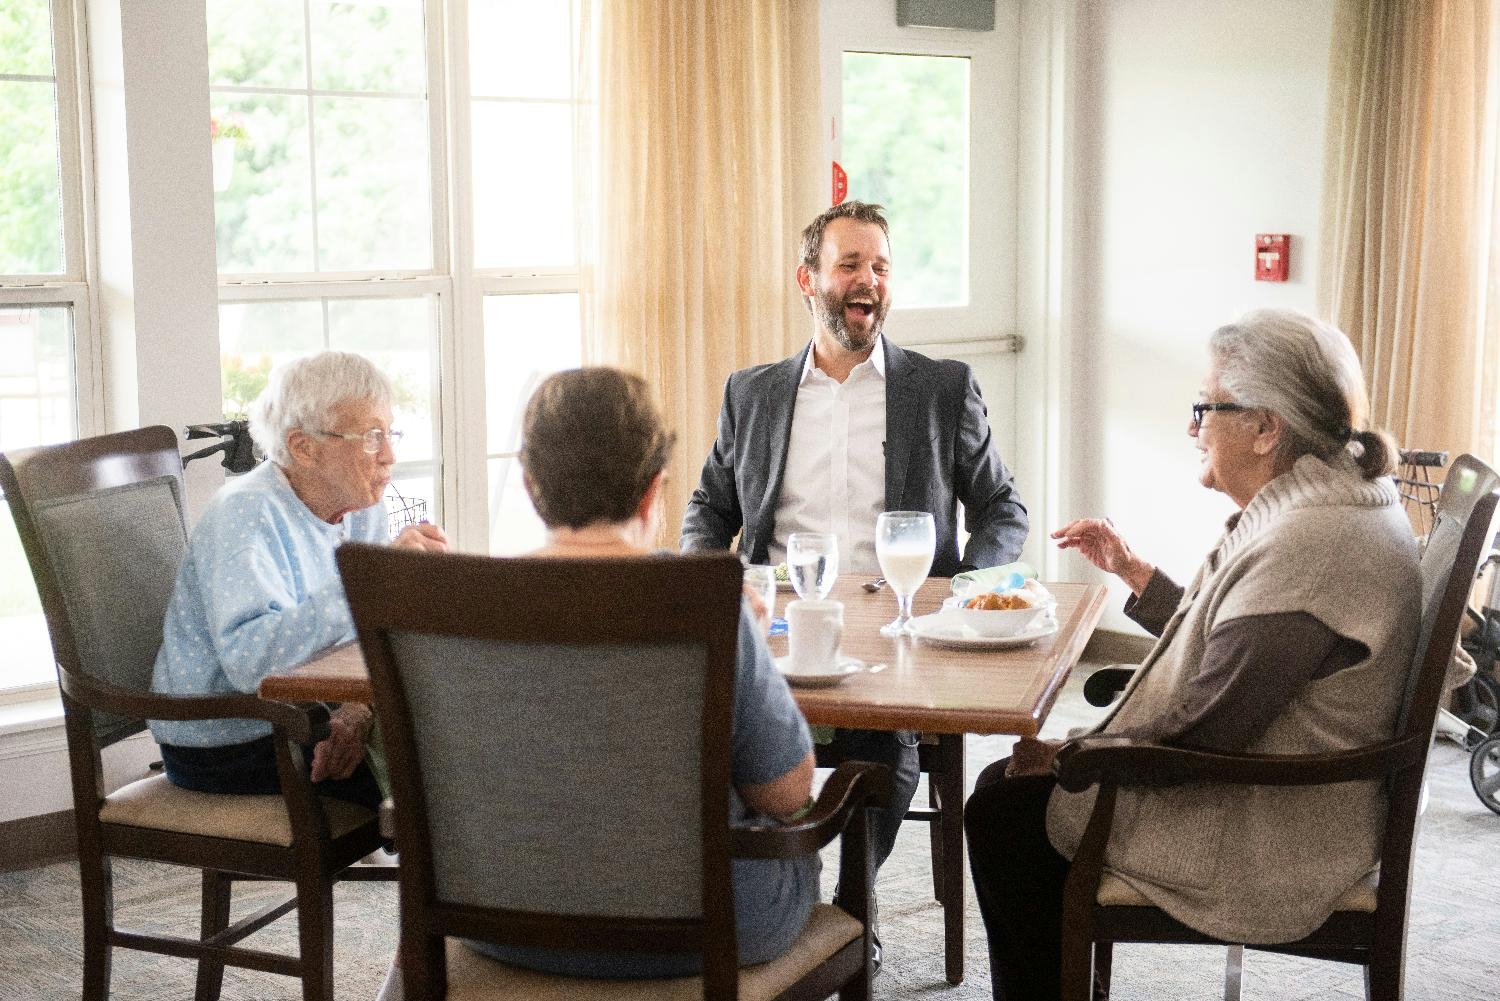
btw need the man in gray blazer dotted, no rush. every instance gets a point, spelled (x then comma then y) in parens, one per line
(851, 426)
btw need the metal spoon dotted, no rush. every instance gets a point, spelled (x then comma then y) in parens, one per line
(873, 585)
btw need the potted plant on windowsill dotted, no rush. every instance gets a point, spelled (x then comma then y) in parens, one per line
(226, 134)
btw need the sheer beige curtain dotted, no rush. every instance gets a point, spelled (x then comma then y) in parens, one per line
(1409, 263)
(705, 168)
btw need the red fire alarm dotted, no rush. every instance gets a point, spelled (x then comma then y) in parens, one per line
(1272, 256)
(840, 184)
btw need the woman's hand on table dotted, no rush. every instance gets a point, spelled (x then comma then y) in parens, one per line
(336, 756)
(1102, 546)
(423, 535)
(1031, 757)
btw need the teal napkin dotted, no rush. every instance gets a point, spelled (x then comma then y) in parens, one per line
(989, 578)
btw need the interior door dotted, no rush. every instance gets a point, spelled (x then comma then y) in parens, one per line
(923, 121)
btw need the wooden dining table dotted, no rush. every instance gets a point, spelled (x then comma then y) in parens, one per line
(941, 691)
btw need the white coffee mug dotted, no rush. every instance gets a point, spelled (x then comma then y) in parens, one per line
(813, 631)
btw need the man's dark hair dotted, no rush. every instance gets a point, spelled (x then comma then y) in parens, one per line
(592, 441)
(812, 236)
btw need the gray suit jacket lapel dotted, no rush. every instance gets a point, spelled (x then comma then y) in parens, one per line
(774, 438)
(900, 419)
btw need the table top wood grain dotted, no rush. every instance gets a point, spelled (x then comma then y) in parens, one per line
(922, 687)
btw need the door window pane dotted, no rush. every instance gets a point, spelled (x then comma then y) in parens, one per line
(526, 339)
(36, 408)
(905, 146)
(30, 187)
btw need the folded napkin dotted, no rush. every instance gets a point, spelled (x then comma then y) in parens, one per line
(991, 578)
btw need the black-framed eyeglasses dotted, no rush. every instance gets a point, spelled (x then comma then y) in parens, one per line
(1199, 409)
(371, 440)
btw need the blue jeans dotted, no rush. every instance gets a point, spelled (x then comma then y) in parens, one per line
(249, 769)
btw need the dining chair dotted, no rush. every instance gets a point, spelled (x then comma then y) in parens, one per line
(558, 734)
(1368, 925)
(941, 758)
(101, 523)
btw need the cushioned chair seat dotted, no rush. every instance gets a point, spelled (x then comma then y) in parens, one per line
(474, 977)
(157, 804)
(1115, 892)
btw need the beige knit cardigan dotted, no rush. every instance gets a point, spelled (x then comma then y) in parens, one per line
(1258, 864)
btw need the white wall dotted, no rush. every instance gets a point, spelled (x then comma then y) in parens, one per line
(1194, 126)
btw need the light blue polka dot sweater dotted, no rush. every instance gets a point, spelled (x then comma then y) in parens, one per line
(258, 592)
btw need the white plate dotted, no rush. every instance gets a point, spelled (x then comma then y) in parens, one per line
(841, 668)
(942, 630)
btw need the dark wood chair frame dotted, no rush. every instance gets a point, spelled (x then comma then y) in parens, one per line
(313, 862)
(1375, 940)
(941, 758)
(686, 599)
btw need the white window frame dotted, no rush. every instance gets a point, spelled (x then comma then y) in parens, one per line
(71, 288)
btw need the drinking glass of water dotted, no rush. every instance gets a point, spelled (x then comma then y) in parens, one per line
(812, 559)
(762, 580)
(904, 544)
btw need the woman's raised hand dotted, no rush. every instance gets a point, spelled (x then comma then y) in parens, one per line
(1102, 546)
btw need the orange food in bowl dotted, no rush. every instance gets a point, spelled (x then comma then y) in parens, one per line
(992, 602)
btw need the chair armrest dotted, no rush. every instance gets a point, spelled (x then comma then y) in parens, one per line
(100, 695)
(854, 785)
(1123, 761)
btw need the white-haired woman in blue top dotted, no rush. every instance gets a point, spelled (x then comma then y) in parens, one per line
(258, 591)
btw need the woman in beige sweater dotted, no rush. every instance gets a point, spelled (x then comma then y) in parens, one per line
(1295, 637)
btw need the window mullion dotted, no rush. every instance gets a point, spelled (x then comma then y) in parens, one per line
(312, 146)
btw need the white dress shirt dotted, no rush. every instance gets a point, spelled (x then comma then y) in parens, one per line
(835, 464)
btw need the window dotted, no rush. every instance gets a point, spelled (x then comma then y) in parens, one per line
(340, 223)
(524, 221)
(906, 146)
(527, 338)
(45, 340)
(396, 334)
(323, 206)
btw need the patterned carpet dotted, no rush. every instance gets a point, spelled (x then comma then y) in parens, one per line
(1453, 948)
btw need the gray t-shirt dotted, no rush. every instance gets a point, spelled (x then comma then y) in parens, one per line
(772, 897)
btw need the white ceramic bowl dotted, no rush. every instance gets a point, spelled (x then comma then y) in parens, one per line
(1000, 622)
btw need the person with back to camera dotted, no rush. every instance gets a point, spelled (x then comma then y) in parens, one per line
(1295, 637)
(258, 591)
(594, 456)
(851, 426)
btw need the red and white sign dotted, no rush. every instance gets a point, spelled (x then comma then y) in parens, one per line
(1272, 256)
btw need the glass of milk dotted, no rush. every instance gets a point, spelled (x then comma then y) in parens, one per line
(904, 544)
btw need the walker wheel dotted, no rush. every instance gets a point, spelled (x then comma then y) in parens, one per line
(1484, 773)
